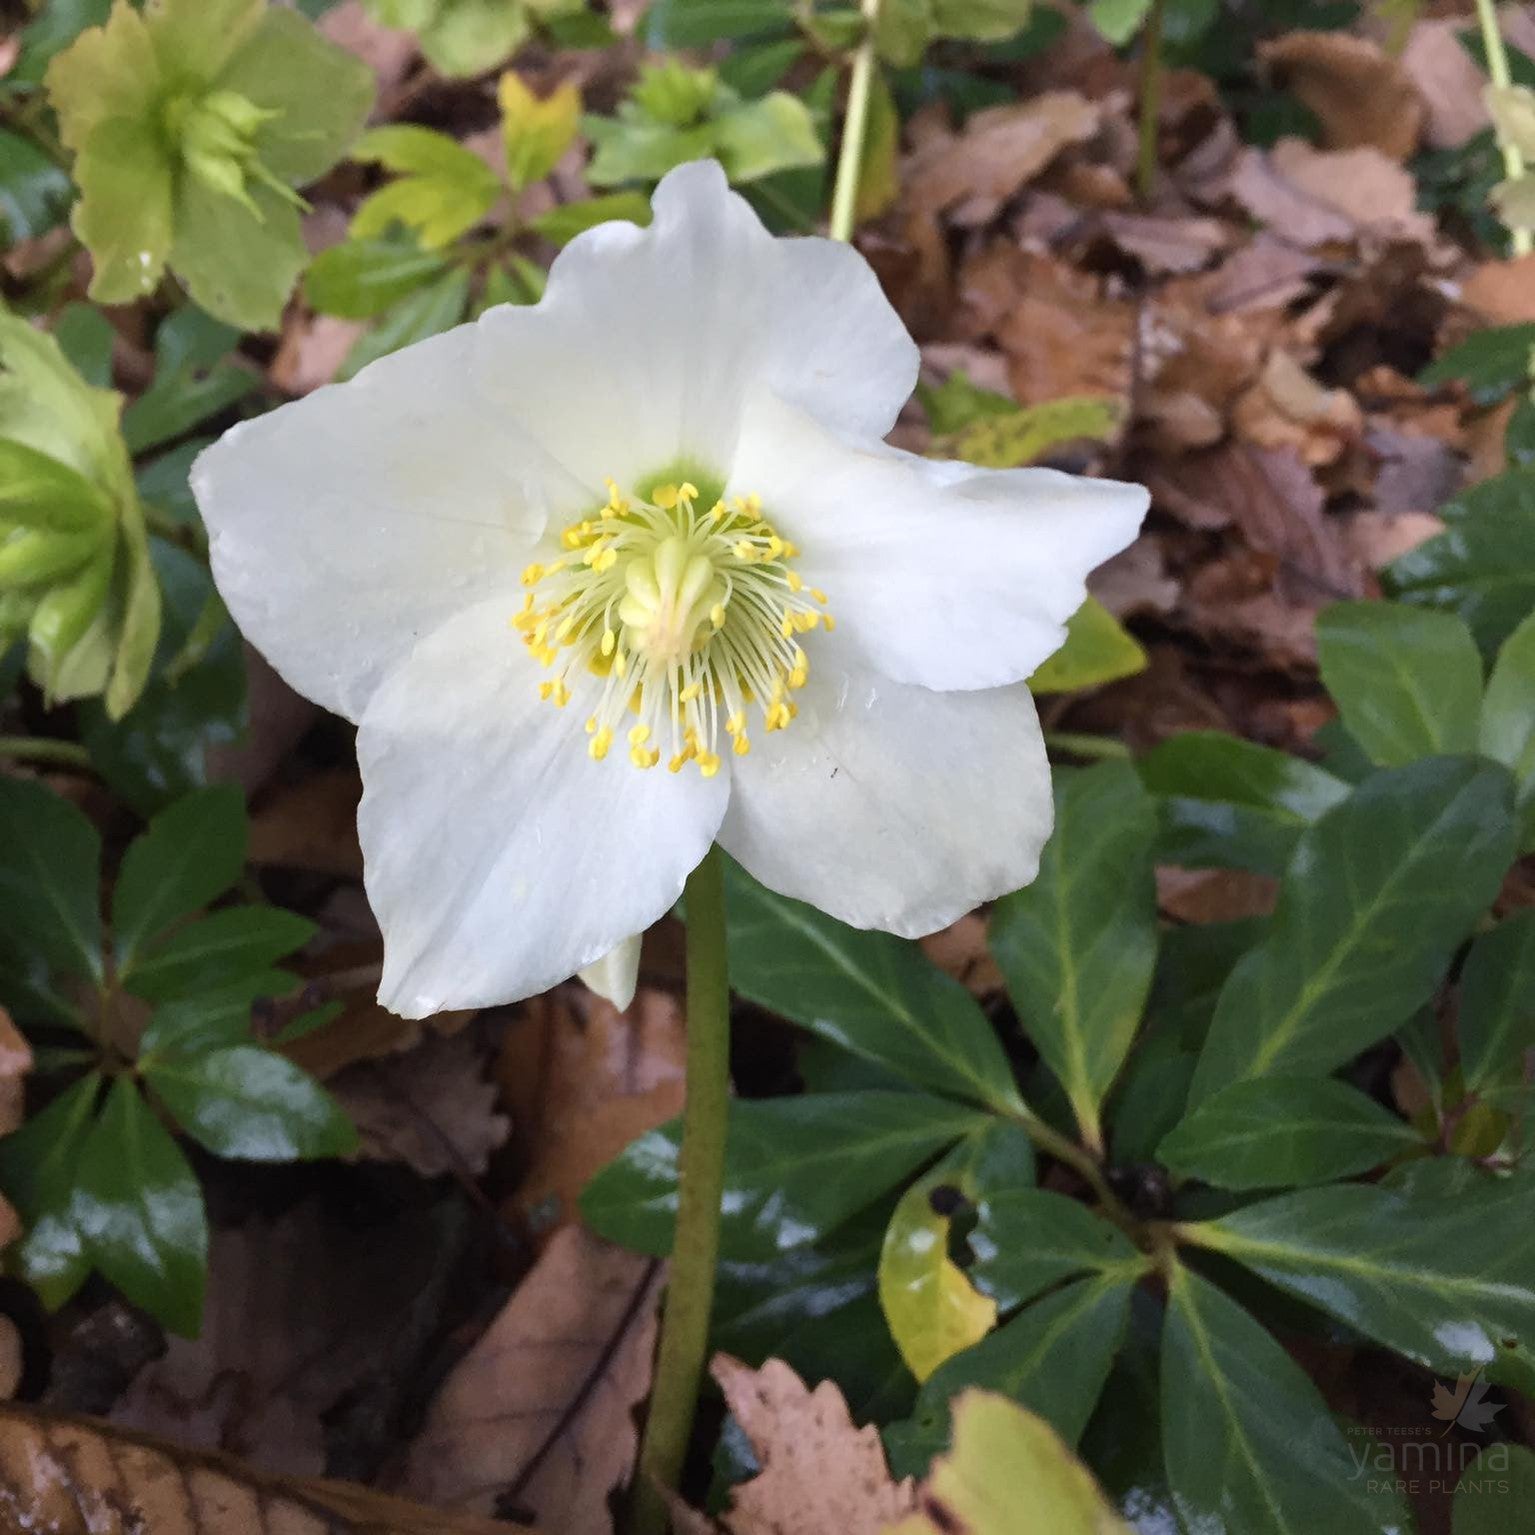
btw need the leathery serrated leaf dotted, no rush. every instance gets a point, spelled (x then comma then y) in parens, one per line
(1380, 892)
(1249, 1442)
(1000, 1447)
(1407, 682)
(1097, 651)
(1445, 1276)
(1079, 945)
(869, 993)
(50, 865)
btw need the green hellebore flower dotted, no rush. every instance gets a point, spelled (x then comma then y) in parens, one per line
(75, 577)
(191, 124)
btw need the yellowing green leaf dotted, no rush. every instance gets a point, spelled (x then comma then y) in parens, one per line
(932, 1308)
(536, 130)
(1009, 1473)
(1097, 650)
(442, 188)
(878, 178)
(1009, 441)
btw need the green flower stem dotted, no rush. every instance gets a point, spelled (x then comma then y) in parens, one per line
(701, 1184)
(1497, 70)
(855, 125)
(1150, 102)
(37, 749)
(1096, 747)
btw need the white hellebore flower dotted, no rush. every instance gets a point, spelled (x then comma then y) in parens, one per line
(609, 578)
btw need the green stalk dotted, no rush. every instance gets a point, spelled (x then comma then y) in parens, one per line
(38, 749)
(855, 128)
(1150, 102)
(701, 1184)
(1497, 70)
(1074, 744)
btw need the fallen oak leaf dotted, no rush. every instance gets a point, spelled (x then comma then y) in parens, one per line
(76, 1476)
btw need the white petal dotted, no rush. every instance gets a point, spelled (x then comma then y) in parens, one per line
(937, 573)
(648, 341)
(499, 858)
(346, 525)
(616, 976)
(893, 807)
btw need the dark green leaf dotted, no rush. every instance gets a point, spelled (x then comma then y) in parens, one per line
(1496, 1023)
(50, 868)
(1407, 682)
(1053, 1357)
(56, 25)
(212, 1020)
(1078, 946)
(1491, 1491)
(37, 1172)
(1250, 1444)
(1278, 1131)
(250, 1103)
(85, 336)
(1444, 1280)
(211, 952)
(1381, 891)
(361, 278)
(757, 68)
(34, 192)
(867, 992)
(1508, 719)
(778, 1194)
(690, 23)
(1483, 565)
(1490, 363)
(429, 310)
(1027, 1240)
(191, 853)
(140, 1211)
(1229, 803)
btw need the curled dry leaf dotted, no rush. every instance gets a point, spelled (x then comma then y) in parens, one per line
(1447, 80)
(1361, 96)
(15, 1063)
(1001, 149)
(75, 1476)
(820, 1474)
(535, 1420)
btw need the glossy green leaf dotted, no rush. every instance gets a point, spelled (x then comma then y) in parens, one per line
(1079, 945)
(1507, 732)
(1097, 650)
(998, 1448)
(1407, 682)
(34, 192)
(38, 1174)
(1249, 1441)
(427, 312)
(1494, 1490)
(1443, 1280)
(140, 1212)
(191, 853)
(1490, 363)
(777, 1192)
(1274, 1132)
(1496, 1022)
(212, 951)
(249, 1103)
(1053, 1357)
(691, 23)
(441, 190)
(561, 224)
(1483, 565)
(50, 868)
(215, 1019)
(870, 993)
(1380, 892)
(361, 278)
(1225, 802)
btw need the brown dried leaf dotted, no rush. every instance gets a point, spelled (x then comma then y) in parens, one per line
(1377, 538)
(12, 1358)
(1214, 895)
(1287, 408)
(960, 950)
(1001, 150)
(1361, 96)
(311, 824)
(15, 1063)
(1502, 292)
(433, 1107)
(1267, 273)
(75, 1476)
(536, 1417)
(583, 1080)
(820, 1475)
(1163, 245)
(1448, 82)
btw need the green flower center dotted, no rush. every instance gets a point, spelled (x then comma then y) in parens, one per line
(691, 616)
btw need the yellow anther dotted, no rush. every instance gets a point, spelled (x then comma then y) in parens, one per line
(687, 491)
(666, 496)
(786, 628)
(795, 580)
(609, 642)
(690, 692)
(591, 724)
(639, 735)
(735, 724)
(743, 744)
(828, 623)
(744, 551)
(717, 615)
(597, 747)
(642, 758)
(532, 574)
(708, 764)
(819, 595)
(620, 663)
